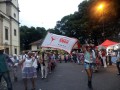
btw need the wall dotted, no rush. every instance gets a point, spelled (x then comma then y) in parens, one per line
(14, 11)
(3, 7)
(1, 38)
(34, 47)
(15, 2)
(15, 39)
(6, 24)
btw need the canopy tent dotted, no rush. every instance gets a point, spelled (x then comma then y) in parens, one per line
(107, 43)
(100, 47)
(60, 42)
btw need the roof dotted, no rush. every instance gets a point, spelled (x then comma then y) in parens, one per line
(107, 43)
(38, 42)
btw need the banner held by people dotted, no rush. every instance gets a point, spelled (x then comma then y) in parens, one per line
(59, 42)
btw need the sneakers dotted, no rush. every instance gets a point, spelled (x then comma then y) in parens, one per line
(42, 77)
(45, 77)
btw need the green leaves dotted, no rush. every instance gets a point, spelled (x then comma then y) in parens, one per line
(29, 35)
(87, 24)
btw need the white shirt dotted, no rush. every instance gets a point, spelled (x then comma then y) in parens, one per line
(118, 55)
(28, 62)
(93, 53)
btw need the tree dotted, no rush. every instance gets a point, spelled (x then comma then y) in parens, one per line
(29, 35)
(87, 25)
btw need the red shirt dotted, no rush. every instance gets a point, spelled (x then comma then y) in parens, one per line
(103, 54)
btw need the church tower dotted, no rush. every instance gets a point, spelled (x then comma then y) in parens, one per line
(9, 26)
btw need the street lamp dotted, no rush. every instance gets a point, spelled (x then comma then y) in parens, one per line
(101, 8)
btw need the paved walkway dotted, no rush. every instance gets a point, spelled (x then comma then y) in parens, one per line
(70, 76)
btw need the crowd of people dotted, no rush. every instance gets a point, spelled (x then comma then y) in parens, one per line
(33, 62)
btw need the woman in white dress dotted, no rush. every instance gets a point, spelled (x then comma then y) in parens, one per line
(28, 72)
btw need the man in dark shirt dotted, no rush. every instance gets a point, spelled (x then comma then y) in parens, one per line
(4, 69)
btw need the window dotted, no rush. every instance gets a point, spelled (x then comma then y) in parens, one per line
(37, 46)
(14, 15)
(6, 34)
(15, 50)
(15, 32)
(7, 50)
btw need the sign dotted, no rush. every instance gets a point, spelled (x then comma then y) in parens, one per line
(59, 41)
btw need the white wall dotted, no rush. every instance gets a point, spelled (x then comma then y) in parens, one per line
(14, 11)
(1, 30)
(15, 39)
(34, 47)
(3, 7)
(2, 0)
(10, 10)
(6, 24)
(15, 2)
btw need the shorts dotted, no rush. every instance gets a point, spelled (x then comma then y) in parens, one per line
(88, 65)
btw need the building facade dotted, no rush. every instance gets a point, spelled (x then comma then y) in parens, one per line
(9, 26)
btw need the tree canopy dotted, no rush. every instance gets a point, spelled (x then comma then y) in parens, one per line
(29, 35)
(88, 24)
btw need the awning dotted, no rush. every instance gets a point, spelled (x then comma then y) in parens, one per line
(107, 43)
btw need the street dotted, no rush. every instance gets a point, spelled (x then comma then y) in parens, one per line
(70, 76)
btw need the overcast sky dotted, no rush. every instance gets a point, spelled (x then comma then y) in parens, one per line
(45, 13)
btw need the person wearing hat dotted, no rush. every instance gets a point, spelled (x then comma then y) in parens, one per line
(4, 69)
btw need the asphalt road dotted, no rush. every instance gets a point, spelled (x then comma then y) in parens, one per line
(70, 76)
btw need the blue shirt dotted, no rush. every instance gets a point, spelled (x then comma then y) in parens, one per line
(88, 57)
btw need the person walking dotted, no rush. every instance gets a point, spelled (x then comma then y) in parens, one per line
(109, 56)
(74, 56)
(28, 71)
(104, 58)
(100, 54)
(4, 69)
(118, 62)
(37, 58)
(59, 57)
(15, 68)
(44, 64)
(66, 57)
(88, 64)
(62, 57)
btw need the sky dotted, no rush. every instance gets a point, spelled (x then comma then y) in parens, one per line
(45, 13)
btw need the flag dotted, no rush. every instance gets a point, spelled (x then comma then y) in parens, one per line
(59, 42)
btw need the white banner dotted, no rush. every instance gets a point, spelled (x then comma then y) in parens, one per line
(59, 41)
